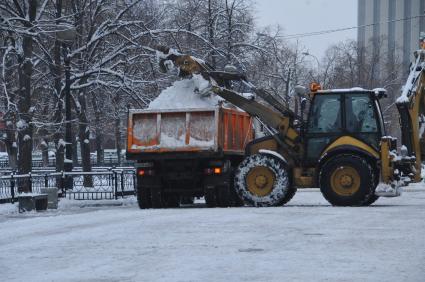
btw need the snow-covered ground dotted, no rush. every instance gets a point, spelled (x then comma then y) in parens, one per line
(307, 240)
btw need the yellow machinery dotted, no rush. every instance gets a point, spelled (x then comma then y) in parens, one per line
(341, 148)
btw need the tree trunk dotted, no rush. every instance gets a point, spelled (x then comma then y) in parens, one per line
(84, 135)
(57, 74)
(45, 152)
(11, 145)
(98, 131)
(84, 139)
(75, 161)
(69, 137)
(211, 32)
(229, 11)
(24, 126)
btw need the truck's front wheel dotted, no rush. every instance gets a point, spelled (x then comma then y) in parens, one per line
(263, 180)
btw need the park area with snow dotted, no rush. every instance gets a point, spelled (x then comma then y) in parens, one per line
(306, 240)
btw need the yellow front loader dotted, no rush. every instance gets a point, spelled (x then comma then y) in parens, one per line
(342, 147)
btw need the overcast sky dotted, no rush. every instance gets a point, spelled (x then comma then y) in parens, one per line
(301, 16)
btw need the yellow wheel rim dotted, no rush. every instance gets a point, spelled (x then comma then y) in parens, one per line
(260, 181)
(345, 181)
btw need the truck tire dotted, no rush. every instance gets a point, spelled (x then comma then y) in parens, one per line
(187, 200)
(263, 181)
(347, 180)
(223, 196)
(171, 201)
(210, 198)
(235, 200)
(373, 198)
(144, 197)
(156, 198)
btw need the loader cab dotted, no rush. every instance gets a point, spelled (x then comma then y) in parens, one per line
(346, 112)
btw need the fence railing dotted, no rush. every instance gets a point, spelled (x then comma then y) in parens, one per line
(96, 185)
(52, 163)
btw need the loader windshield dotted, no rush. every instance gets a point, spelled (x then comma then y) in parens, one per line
(362, 117)
(326, 114)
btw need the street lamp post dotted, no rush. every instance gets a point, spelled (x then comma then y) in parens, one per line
(317, 61)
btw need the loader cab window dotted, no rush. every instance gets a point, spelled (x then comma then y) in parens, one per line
(324, 123)
(362, 118)
(325, 114)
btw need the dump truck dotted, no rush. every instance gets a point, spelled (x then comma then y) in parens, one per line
(181, 154)
(342, 147)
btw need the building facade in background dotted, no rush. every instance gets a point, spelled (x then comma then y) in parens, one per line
(397, 38)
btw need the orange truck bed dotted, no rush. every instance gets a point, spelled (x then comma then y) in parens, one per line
(194, 130)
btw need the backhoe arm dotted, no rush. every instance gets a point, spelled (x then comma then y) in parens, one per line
(411, 107)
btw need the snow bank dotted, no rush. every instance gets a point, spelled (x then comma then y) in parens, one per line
(67, 206)
(8, 209)
(185, 94)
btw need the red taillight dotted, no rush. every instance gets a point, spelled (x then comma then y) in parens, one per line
(146, 172)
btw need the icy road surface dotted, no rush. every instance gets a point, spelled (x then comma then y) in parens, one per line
(308, 240)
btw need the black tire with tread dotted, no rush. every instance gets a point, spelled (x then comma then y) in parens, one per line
(144, 197)
(171, 201)
(210, 198)
(366, 192)
(279, 167)
(291, 193)
(187, 200)
(223, 196)
(373, 198)
(156, 198)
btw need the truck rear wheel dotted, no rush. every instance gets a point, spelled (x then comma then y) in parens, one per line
(263, 180)
(210, 197)
(144, 197)
(171, 201)
(156, 198)
(223, 196)
(347, 180)
(187, 200)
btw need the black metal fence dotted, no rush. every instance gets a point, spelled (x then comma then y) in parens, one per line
(108, 161)
(104, 184)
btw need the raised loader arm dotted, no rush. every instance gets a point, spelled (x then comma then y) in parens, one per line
(282, 124)
(281, 121)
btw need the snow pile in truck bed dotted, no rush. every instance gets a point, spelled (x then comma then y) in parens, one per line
(185, 94)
